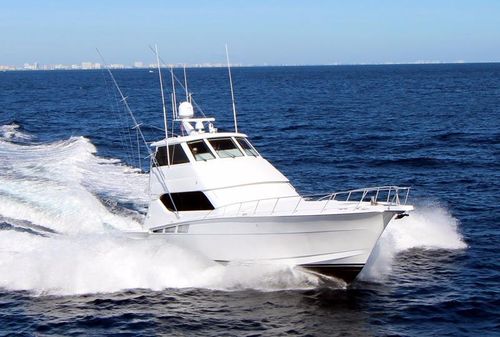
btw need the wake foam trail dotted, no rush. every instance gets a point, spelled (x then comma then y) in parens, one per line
(428, 227)
(64, 186)
(12, 132)
(88, 263)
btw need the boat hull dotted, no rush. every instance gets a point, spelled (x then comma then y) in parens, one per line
(330, 244)
(346, 272)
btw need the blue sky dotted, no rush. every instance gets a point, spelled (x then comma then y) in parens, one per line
(257, 31)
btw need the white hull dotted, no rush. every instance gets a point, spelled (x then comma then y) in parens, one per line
(213, 193)
(325, 242)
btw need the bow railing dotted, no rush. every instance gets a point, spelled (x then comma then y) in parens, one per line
(381, 195)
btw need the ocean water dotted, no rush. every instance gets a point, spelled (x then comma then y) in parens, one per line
(72, 179)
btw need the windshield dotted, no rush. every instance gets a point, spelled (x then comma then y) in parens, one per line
(225, 148)
(200, 150)
(175, 153)
(247, 147)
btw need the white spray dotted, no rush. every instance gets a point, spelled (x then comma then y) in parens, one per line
(64, 185)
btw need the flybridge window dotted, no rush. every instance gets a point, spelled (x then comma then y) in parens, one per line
(247, 147)
(200, 150)
(225, 148)
(177, 155)
(187, 201)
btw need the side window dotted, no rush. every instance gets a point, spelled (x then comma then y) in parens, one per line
(225, 148)
(247, 147)
(200, 150)
(177, 155)
(187, 201)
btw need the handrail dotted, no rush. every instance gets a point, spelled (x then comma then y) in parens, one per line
(376, 195)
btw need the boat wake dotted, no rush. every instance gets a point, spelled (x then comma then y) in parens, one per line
(65, 211)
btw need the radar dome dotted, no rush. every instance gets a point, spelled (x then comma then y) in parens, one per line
(186, 110)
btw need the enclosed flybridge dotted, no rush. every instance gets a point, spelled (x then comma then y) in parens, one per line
(213, 193)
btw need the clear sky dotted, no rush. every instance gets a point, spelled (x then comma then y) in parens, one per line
(257, 31)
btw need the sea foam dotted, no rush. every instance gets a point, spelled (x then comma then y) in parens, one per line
(65, 186)
(430, 226)
(13, 132)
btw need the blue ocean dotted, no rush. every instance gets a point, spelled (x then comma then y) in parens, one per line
(73, 178)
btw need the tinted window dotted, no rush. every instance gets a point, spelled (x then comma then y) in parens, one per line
(200, 150)
(187, 201)
(225, 148)
(177, 155)
(245, 145)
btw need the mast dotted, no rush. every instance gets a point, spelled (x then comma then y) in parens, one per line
(232, 91)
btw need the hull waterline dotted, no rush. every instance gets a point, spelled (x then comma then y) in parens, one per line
(329, 244)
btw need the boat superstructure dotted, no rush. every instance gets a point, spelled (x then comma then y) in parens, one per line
(213, 193)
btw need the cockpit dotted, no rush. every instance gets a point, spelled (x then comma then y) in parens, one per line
(203, 150)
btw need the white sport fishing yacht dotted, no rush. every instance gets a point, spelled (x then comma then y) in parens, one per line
(213, 193)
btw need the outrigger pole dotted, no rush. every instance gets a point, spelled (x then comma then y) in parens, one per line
(138, 127)
(124, 100)
(162, 94)
(232, 91)
(163, 102)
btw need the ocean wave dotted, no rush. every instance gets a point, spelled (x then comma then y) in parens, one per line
(64, 185)
(67, 193)
(13, 132)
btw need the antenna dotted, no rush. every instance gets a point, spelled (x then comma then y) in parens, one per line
(173, 111)
(186, 84)
(162, 94)
(173, 91)
(162, 101)
(191, 100)
(232, 92)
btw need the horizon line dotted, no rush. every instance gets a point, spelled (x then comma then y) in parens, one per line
(114, 66)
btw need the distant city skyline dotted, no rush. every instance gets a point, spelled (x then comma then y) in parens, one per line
(258, 32)
(95, 66)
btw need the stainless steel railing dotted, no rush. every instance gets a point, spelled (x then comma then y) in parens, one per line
(384, 195)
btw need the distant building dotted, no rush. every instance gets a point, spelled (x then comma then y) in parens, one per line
(87, 65)
(4, 68)
(138, 64)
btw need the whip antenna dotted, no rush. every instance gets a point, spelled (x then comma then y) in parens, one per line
(165, 122)
(173, 91)
(186, 84)
(162, 96)
(232, 91)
